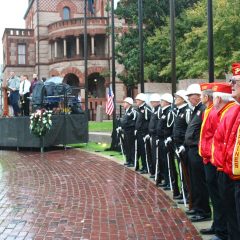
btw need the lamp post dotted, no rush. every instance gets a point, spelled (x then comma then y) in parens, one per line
(173, 45)
(210, 42)
(141, 55)
(38, 40)
(86, 64)
(85, 57)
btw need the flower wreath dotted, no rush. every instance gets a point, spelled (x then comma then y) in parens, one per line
(40, 122)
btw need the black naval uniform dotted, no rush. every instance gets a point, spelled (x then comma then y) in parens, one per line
(181, 119)
(142, 122)
(152, 128)
(199, 191)
(164, 130)
(128, 125)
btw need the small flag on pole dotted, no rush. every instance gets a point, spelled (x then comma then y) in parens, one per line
(110, 103)
(90, 6)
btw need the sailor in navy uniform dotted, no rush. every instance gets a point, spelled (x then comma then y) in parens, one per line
(152, 128)
(181, 120)
(127, 123)
(142, 122)
(166, 155)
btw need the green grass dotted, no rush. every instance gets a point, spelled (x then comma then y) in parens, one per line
(105, 126)
(99, 148)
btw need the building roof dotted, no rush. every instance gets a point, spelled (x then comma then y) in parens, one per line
(29, 7)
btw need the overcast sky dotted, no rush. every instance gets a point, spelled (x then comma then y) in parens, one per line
(11, 16)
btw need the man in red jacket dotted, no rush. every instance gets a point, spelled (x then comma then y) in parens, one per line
(209, 125)
(232, 166)
(219, 151)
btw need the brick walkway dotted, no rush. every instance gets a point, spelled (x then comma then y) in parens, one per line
(77, 195)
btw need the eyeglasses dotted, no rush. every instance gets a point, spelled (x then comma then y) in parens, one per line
(233, 81)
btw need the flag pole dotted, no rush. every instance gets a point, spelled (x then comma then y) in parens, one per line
(114, 144)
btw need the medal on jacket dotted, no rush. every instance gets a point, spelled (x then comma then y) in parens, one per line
(198, 112)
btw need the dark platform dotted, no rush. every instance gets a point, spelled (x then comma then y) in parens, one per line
(66, 129)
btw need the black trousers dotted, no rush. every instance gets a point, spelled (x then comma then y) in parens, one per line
(129, 145)
(237, 200)
(166, 160)
(141, 150)
(219, 215)
(163, 162)
(227, 193)
(185, 174)
(154, 155)
(199, 191)
(160, 167)
(14, 98)
(173, 169)
(25, 105)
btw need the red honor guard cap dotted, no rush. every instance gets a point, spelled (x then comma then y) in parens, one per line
(206, 86)
(222, 87)
(236, 69)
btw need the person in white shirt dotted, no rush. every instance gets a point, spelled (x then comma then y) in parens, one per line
(24, 91)
(13, 86)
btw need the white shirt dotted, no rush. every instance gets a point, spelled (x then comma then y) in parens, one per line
(24, 87)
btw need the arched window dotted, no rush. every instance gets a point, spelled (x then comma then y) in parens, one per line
(66, 13)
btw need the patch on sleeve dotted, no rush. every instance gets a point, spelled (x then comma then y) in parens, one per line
(236, 155)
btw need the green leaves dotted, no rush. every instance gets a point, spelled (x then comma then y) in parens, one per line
(191, 39)
(156, 39)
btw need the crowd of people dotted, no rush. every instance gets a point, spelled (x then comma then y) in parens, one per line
(19, 90)
(190, 144)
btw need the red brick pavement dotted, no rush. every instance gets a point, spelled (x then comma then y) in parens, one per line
(77, 195)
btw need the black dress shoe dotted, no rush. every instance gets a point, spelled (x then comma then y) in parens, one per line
(182, 202)
(207, 231)
(152, 176)
(199, 218)
(130, 165)
(162, 185)
(216, 238)
(126, 163)
(144, 172)
(178, 197)
(191, 212)
(167, 188)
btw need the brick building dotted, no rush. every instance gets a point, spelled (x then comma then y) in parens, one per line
(52, 45)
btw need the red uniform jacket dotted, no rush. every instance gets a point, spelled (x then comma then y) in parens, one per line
(208, 128)
(221, 135)
(232, 154)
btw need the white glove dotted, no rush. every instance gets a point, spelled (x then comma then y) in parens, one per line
(146, 137)
(167, 141)
(119, 129)
(181, 149)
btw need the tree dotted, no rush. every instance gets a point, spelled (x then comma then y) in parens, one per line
(192, 42)
(155, 14)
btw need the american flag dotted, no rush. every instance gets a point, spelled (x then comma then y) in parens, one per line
(109, 103)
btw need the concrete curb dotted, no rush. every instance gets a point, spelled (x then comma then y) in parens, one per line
(103, 137)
